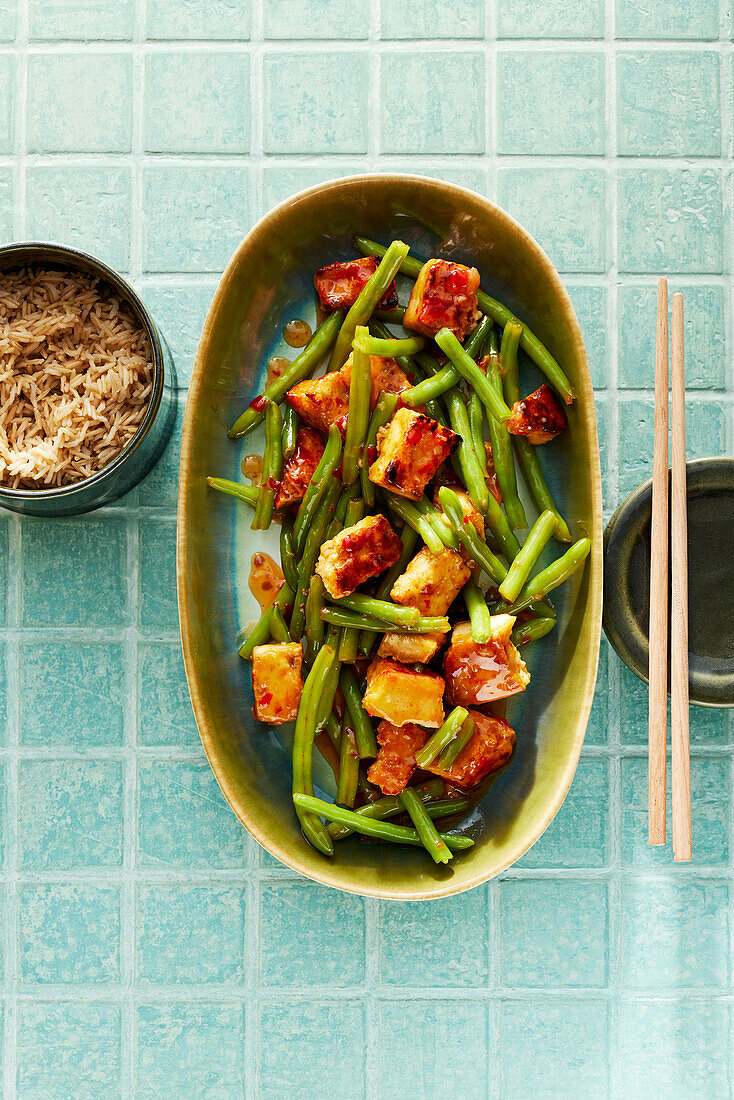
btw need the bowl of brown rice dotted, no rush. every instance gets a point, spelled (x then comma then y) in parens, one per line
(87, 383)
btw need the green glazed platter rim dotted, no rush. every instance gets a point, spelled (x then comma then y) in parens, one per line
(517, 257)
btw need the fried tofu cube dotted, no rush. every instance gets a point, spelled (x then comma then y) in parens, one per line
(481, 672)
(339, 285)
(356, 554)
(277, 682)
(401, 695)
(395, 761)
(321, 402)
(540, 416)
(430, 583)
(299, 468)
(387, 377)
(409, 451)
(444, 296)
(491, 746)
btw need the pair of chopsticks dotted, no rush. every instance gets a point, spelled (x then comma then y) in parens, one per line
(679, 704)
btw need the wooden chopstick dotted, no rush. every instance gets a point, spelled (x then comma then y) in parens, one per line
(679, 705)
(658, 629)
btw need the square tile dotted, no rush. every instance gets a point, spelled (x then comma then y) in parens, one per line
(449, 118)
(93, 20)
(159, 489)
(578, 834)
(202, 19)
(8, 19)
(675, 1048)
(538, 1060)
(184, 820)
(667, 19)
(6, 202)
(3, 694)
(68, 934)
(195, 215)
(710, 810)
(190, 935)
(157, 579)
(419, 945)
(7, 103)
(675, 934)
(564, 208)
(197, 102)
(4, 567)
(315, 103)
(590, 304)
(79, 102)
(553, 933)
(283, 180)
(705, 336)
(603, 428)
(414, 19)
(85, 206)
(298, 923)
(427, 1047)
(550, 102)
(294, 1060)
(471, 174)
(179, 312)
(597, 731)
(70, 814)
(652, 122)
(670, 219)
(316, 19)
(707, 726)
(165, 716)
(74, 572)
(190, 1050)
(68, 1049)
(552, 19)
(71, 693)
(705, 435)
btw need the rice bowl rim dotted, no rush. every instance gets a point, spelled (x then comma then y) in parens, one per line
(22, 253)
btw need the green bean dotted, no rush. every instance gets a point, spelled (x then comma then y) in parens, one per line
(314, 625)
(394, 316)
(287, 557)
(348, 641)
(472, 374)
(526, 452)
(390, 348)
(469, 462)
(500, 528)
(303, 365)
(331, 683)
(368, 300)
(384, 411)
(430, 388)
(272, 469)
(469, 536)
(389, 806)
(348, 768)
(317, 487)
(438, 741)
(347, 496)
(355, 512)
(290, 430)
(499, 313)
(426, 624)
(358, 418)
(303, 740)
(246, 493)
(311, 548)
(260, 633)
(438, 522)
(278, 628)
(408, 537)
(520, 568)
(361, 723)
(410, 515)
(476, 426)
(424, 826)
(406, 362)
(502, 453)
(380, 609)
(532, 630)
(382, 830)
(553, 575)
(333, 729)
(476, 605)
(455, 747)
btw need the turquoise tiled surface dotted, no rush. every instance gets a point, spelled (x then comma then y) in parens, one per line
(148, 948)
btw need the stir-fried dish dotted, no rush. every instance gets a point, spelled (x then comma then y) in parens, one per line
(393, 637)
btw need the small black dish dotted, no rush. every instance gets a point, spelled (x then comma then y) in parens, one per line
(148, 443)
(710, 485)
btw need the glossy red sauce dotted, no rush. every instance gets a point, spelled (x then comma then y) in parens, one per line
(265, 580)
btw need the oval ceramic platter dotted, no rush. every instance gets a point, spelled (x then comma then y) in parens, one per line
(268, 282)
